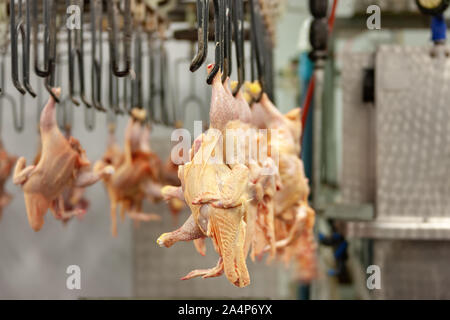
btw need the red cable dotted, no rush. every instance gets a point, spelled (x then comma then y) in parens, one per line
(332, 17)
(308, 98)
(310, 92)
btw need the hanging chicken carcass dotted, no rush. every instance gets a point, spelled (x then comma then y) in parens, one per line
(136, 172)
(75, 204)
(62, 164)
(216, 194)
(294, 217)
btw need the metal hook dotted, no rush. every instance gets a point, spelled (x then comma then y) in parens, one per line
(226, 40)
(203, 30)
(18, 121)
(218, 35)
(43, 73)
(162, 78)
(151, 80)
(238, 19)
(18, 124)
(96, 7)
(15, 30)
(164, 119)
(50, 38)
(66, 121)
(89, 118)
(75, 52)
(257, 30)
(136, 87)
(191, 98)
(253, 75)
(112, 13)
(114, 93)
(126, 83)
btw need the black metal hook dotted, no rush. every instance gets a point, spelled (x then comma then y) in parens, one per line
(218, 36)
(203, 30)
(16, 29)
(238, 19)
(96, 7)
(227, 33)
(127, 35)
(50, 38)
(258, 31)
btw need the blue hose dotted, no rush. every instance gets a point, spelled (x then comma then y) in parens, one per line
(438, 28)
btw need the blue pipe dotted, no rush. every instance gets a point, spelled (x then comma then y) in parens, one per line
(438, 28)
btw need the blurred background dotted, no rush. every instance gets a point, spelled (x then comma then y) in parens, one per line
(383, 195)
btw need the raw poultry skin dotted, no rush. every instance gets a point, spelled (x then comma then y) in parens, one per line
(173, 194)
(6, 165)
(74, 200)
(295, 219)
(169, 177)
(136, 169)
(62, 164)
(75, 205)
(217, 196)
(264, 180)
(264, 175)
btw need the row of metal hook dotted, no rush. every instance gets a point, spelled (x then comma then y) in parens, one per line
(24, 22)
(229, 17)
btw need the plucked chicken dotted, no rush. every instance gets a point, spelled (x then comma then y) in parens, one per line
(136, 170)
(75, 204)
(294, 218)
(62, 164)
(250, 149)
(216, 194)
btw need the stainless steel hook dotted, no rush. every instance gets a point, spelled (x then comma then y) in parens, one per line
(19, 27)
(127, 35)
(96, 7)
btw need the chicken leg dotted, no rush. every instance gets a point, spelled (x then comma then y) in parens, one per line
(187, 232)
